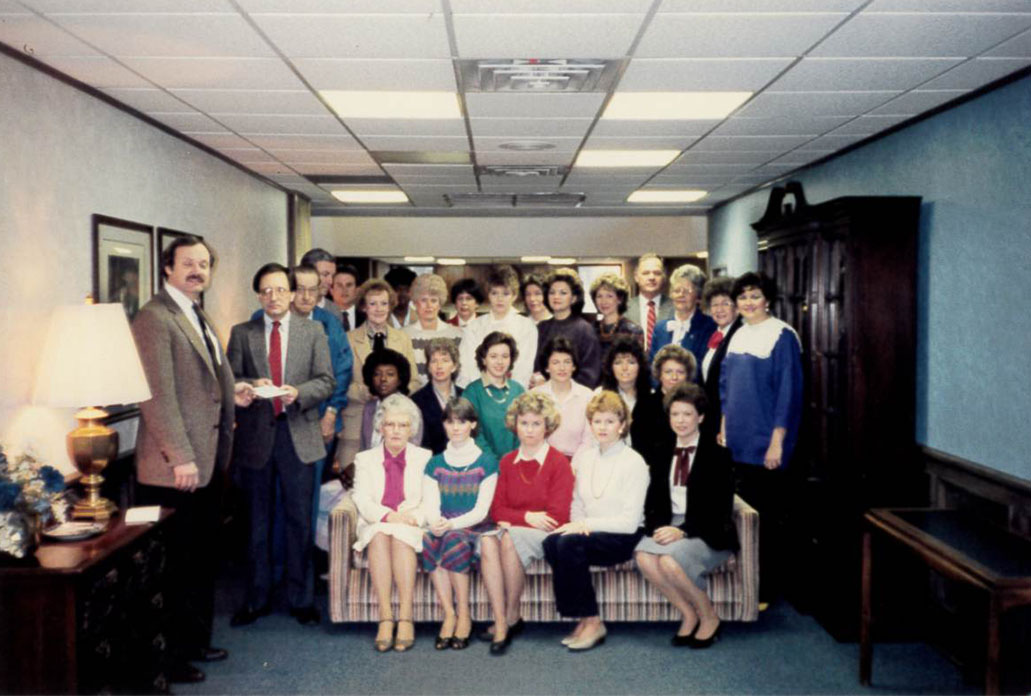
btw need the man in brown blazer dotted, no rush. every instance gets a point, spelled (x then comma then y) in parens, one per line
(184, 441)
(280, 438)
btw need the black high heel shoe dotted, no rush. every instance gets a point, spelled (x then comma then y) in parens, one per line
(702, 643)
(680, 641)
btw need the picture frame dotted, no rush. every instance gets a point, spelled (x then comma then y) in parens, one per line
(123, 262)
(166, 236)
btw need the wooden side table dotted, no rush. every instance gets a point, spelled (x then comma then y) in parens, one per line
(962, 547)
(88, 616)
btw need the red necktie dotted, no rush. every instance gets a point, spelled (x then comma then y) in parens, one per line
(275, 363)
(650, 325)
(683, 469)
(715, 339)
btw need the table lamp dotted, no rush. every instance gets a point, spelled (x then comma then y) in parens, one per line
(90, 359)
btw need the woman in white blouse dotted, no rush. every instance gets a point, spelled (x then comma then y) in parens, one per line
(605, 518)
(388, 484)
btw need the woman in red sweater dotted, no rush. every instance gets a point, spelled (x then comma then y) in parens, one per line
(532, 498)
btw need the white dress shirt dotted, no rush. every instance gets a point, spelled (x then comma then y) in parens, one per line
(187, 305)
(678, 494)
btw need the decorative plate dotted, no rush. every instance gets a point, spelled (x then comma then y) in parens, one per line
(75, 531)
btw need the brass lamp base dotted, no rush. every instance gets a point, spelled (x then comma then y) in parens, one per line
(91, 446)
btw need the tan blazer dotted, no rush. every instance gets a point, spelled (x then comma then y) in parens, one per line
(189, 417)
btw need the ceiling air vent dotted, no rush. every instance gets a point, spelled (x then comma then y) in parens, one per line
(550, 200)
(538, 75)
(522, 171)
(480, 200)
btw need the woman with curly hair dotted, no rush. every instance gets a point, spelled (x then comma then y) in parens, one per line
(610, 294)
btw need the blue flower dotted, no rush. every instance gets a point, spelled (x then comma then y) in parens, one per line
(9, 493)
(53, 480)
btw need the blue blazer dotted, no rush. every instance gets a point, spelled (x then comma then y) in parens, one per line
(695, 340)
(433, 436)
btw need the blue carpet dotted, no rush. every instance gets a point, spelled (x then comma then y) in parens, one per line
(783, 653)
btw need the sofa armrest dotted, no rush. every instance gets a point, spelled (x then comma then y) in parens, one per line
(746, 520)
(340, 535)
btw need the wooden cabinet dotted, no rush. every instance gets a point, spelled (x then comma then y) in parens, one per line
(88, 616)
(847, 281)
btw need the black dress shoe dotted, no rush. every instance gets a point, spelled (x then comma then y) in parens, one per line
(498, 647)
(702, 643)
(184, 673)
(684, 641)
(487, 634)
(306, 616)
(208, 654)
(246, 615)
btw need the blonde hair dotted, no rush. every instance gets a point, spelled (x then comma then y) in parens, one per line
(676, 352)
(607, 401)
(376, 285)
(429, 284)
(537, 403)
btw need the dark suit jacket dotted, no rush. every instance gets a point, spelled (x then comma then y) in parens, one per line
(649, 425)
(308, 368)
(663, 311)
(189, 417)
(433, 436)
(710, 495)
(711, 424)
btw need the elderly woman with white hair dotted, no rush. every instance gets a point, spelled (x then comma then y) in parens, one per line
(388, 495)
(689, 327)
(429, 293)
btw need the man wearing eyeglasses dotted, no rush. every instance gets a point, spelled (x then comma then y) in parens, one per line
(278, 437)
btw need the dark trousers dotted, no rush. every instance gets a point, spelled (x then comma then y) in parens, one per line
(571, 557)
(766, 490)
(193, 558)
(297, 485)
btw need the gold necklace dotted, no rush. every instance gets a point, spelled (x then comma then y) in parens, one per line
(504, 393)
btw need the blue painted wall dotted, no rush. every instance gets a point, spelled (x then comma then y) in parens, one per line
(972, 166)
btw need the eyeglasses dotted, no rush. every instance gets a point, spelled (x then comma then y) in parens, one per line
(308, 292)
(720, 304)
(277, 292)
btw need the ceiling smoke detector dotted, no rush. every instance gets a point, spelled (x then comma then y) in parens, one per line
(538, 75)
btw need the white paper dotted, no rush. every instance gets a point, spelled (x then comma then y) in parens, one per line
(270, 391)
(143, 514)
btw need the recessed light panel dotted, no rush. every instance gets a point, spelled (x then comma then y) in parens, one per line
(673, 106)
(400, 105)
(665, 196)
(370, 196)
(451, 262)
(625, 158)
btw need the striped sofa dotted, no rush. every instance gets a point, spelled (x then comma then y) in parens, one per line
(623, 594)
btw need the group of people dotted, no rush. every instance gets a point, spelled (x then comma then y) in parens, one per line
(480, 441)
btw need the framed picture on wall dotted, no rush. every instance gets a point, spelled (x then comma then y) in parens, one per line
(123, 262)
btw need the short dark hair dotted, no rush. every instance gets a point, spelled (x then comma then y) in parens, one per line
(723, 285)
(766, 285)
(467, 285)
(387, 357)
(399, 275)
(492, 339)
(187, 240)
(313, 256)
(558, 344)
(459, 408)
(570, 278)
(301, 269)
(532, 279)
(270, 268)
(503, 276)
(347, 268)
(625, 345)
(689, 393)
(442, 344)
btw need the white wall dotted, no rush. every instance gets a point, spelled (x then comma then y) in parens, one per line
(510, 236)
(65, 155)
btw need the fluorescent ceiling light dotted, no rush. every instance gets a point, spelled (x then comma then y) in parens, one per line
(554, 261)
(702, 254)
(451, 262)
(367, 104)
(419, 259)
(535, 259)
(673, 106)
(370, 196)
(665, 196)
(625, 158)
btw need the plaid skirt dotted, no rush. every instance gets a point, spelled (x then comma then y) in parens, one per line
(457, 550)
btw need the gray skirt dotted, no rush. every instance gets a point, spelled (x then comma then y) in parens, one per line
(528, 542)
(693, 555)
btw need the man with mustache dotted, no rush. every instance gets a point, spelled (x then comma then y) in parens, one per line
(184, 442)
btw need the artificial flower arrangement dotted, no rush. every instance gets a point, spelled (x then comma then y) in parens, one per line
(31, 497)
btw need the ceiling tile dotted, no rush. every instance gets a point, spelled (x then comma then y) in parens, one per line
(545, 35)
(918, 101)
(97, 72)
(216, 73)
(169, 35)
(860, 74)
(468, 180)
(338, 169)
(868, 125)
(740, 157)
(688, 180)
(948, 6)
(393, 126)
(485, 143)
(247, 154)
(147, 99)
(760, 5)
(733, 35)
(1017, 47)
(751, 143)
(800, 158)
(538, 7)
(700, 74)
(429, 170)
(977, 73)
(652, 128)
(667, 142)
(790, 104)
(378, 74)
(831, 142)
(802, 125)
(187, 121)
(499, 184)
(220, 140)
(128, 6)
(341, 141)
(274, 124)
(530, 127)
(268, 168)
(338, 7)
(608, 178)
(40, 38)
(920, 34)
(707, 170)
(330, 156)
(357, 35)
(417, 143)
(532, 158)
(245, 101)
(533, 105)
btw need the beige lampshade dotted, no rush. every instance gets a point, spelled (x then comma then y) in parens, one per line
(89, 359)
